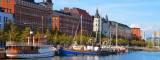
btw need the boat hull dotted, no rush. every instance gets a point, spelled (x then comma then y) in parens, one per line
(39, 55)
(63, 52)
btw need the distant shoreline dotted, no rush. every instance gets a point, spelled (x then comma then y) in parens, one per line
(152, 49)
(145, 49)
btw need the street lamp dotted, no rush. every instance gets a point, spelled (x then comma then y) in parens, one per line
(31, 32)
(29, 38)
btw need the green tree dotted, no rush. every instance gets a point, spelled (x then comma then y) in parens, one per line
(64, 39)
(13, 33)
(2, 36)
(49, 36)
(25, 34)
(138, 43)
(120, 41)
(149, 43)
(5, 32)
(84, 40)
(8, 26)
(5, 36)
(37, 35)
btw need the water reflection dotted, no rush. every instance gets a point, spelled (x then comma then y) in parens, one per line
(141, 55)
(76, 58)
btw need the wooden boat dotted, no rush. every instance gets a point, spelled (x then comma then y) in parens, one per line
(29, 51)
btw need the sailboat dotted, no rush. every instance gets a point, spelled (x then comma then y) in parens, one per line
(29, 50)
(79, 49)
(117, 48)
(110, 49)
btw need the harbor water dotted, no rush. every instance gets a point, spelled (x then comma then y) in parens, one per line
(138, 55)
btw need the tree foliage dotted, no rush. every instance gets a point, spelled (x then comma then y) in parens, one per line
(120, 42)
(138, 43)
(25, 34)
(11, 32)
(149, 43)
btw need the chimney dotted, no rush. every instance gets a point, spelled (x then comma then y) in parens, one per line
(66, 10)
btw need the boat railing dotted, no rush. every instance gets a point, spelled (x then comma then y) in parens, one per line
(26, 44)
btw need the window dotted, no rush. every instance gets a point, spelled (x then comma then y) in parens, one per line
(0, 26)
(8, 1)
(0, 19)
(4, 19)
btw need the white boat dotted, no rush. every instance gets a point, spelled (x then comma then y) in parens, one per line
(29, 51)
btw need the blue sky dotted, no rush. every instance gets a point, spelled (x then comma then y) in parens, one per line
(142, 13)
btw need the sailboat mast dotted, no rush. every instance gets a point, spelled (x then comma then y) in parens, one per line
(153, 39)
(116, 34)
(10, 36)
(42, 24)
(81, 28)
(100, 31)
(110, 36)
(158, 39)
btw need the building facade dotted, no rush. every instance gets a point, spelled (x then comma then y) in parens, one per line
(97, 22)
(28, 12)
(87, 21)
(123, 31)
(105, 27)
(100, 24)
(65, 23)
(136, 32)
(4, 18)
(69, 21)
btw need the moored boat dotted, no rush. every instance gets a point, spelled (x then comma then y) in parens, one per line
(115, 49)
(81, 50)
(29, 51)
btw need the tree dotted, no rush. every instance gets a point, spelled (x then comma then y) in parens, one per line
(5, 36)
(120, 42)
(25, 34)
(84, 40)
(138, 43)
(7, 26)
(2, 36)
(149, 43)
(64, 39)
(37, 36)
(13, 33)
(48, 36)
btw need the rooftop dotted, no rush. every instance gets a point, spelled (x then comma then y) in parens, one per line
(120, 24)
(61, 12)
(32, 1)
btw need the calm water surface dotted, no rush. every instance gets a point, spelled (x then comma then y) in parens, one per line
(141, 55)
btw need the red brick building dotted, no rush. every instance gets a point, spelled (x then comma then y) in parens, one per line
(69, 20)
(29, 12)
(65, 23)
(136, 32)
